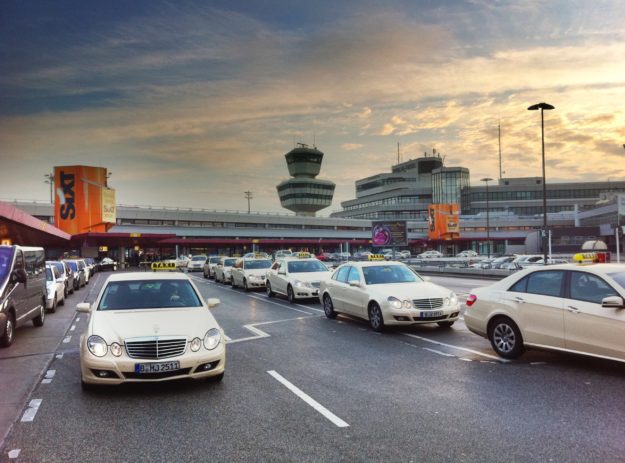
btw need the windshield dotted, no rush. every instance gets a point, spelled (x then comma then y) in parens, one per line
(59, 266)
(72, 265)
(148, 294)
(229, 262)
(214, 260)
(619, 277)
(6, 255)
(199, 258)
(256, 264)
(385, 274)
(306, 266)
(48, 274)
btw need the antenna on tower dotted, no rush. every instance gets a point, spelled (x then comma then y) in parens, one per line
(499, 131)
(314, 140)
(398, 159)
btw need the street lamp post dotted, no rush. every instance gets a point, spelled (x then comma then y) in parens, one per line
(543, 107)
(50, 180)
(486, 180)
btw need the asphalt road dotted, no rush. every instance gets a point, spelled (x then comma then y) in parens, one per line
(300, 387)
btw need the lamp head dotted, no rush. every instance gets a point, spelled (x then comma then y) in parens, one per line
(545, 106)
(487, 179)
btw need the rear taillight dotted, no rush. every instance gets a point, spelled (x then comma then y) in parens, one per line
(471, 300)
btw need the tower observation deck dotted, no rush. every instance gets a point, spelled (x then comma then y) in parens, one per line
(304, 194)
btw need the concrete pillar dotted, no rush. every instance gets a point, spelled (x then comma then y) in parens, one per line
(122, 257)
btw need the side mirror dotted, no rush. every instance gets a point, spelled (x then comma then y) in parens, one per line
(212, 302)
(613, 302)
(19, 276)
(83, 307)
(355, 283)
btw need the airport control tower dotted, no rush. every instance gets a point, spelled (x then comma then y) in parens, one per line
(304, 194)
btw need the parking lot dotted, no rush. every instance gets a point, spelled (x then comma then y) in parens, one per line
(301, 387)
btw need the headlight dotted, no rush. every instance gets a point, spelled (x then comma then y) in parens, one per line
(116, 349)
(407, 304)
(97, 346)
(212, 338)
(452, 299)
(302, 284)
(195, 344)
(395, 303)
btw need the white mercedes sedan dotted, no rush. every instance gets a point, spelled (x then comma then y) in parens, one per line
(150, 327)
(387, 293)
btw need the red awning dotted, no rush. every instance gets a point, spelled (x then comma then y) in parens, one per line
(24, 229)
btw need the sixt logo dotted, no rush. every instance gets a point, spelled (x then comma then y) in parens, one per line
(68, 208)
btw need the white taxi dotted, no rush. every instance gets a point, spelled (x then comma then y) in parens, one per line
(209, 266)
(568, 307)
(146, 327)
(250, 273)
(387, 293)
(296, 277)
(196, 264)
(223, 269)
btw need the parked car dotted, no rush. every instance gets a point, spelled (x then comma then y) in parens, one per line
(387, 293)
(91, 266)
(526, 260)
(279, 254)
(209, 266)
(250, 273)
(296, 277)
(80, 272)
(467, 253)
(67, 276)
(499, 261)
(55, 288)
(568, 307)
(223, 270)
(22, 289)
(148, 327)
(196, 264)
(107, 264)
(430, 254)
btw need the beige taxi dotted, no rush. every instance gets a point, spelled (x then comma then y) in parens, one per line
(568, 307)
(146, 327)
(250, 272)
(296, 277)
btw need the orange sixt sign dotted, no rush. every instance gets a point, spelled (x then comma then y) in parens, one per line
(443, 221)
(82, 201)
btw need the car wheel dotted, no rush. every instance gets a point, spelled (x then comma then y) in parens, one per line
(445, 324)
(270, 293)
(328, 307)
(53, 308)
(205, 276)
(9, 331)
(505, 337)
(39, 319)
(245, 286)
(376, 320)
(290, 294)
(65, 292)
(62, 301)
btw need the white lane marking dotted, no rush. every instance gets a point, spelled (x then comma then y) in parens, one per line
(438, 352)
(73, 328)
(309, 400)
(59, 356)
(465, 349)
(466, 359)
(13, 454)
(67, 339)
(31, 411)
(260, 334)
(279, 305)
(228, 338)
(49, 376)
(538, 363)
(77, 319)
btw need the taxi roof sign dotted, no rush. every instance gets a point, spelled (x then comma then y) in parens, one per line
(303, 255)
(586, 257)
(376, 256)
(166, 266)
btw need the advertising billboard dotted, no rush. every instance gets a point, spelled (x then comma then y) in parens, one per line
(79, 201)
(389, 234)
(443, 221)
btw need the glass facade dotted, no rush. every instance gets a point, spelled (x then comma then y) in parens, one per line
(450, 185)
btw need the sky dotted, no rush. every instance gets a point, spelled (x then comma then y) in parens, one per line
(191, 103)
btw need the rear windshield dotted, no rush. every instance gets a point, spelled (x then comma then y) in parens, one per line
(214, 260)
(199, 258)
(6, 255)
(257, 264)
(151, 294)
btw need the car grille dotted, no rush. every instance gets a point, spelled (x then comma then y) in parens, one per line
(164, 374)
(158, 347)
(315, 284)
(427, 304)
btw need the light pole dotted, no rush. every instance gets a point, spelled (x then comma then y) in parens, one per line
(543, 107)
(486, 180)
(50, 180)
(248, 196)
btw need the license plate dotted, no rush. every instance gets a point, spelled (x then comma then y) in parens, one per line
(432, 314)
(156, 367)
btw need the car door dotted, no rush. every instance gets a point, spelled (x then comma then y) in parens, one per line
(538, 304)
(281, 278)
(21, 294)
(588, 326)
(356, 297)
(337, 287)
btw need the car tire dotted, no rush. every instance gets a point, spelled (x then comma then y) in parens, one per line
(376, 319)
(290, 294)
(505, 337)
(270, 293)
(445, 324)
(205, 276)
(41, 318)
(9, 331)
(65, 292)
(245, 286)
(62, 301)
(53, 308)
(328, 306)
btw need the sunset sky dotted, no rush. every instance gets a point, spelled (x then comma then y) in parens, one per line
(190, 103)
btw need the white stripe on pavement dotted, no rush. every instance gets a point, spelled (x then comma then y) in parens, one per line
(438, 352)
(13, 454)
(31, 411)
(465, 349)
(309, 400)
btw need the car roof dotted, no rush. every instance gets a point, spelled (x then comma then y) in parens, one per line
(373, 263)
(148, 276)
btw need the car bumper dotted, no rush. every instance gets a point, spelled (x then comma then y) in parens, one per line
(475, 325)
(255, 283)
(122, 369)
(305, 293)
(420, 317)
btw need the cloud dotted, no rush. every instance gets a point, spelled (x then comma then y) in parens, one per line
(351, 146)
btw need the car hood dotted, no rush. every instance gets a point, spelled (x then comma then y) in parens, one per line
(424, 290)
(117, 325)
(258, 272)
(311, 276)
